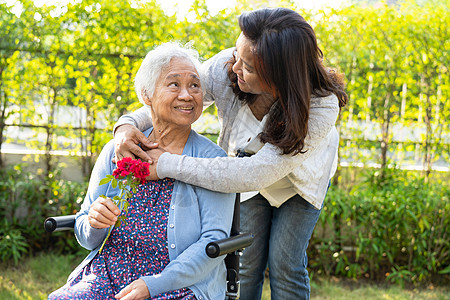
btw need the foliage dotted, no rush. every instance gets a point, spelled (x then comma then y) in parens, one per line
(85, 54)
(395, 59)
(12, 243)
(24, 207)
(393, 227)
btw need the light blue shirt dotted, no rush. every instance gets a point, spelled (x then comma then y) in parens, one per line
(197, 216)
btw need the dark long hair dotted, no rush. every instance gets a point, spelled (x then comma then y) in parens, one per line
(289, 62)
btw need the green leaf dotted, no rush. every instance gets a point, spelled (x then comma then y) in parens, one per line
(445, 271)
(104, 181)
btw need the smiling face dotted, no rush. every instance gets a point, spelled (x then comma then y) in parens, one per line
(248, 79)
(178, 98)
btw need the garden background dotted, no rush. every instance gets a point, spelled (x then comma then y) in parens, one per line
(66, 76)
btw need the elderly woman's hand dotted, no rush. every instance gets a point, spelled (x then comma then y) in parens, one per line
(126, 141)
(103, 213)
(154, 155)
(137, 290)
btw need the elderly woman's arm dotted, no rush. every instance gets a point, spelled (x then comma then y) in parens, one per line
(193, 265)
(88, 236)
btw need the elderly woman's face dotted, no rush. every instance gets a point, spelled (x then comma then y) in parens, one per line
(178, 97)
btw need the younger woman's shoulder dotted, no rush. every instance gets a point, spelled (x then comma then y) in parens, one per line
(216, 65)
(330, 100)
(220, 58)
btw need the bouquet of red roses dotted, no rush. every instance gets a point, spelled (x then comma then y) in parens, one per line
(130, 173)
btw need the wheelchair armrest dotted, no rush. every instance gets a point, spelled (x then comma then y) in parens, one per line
(59, 223)
(229, 245)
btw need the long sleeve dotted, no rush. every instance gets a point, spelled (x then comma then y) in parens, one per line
(140, 118)
(230, 174)
(89, 237)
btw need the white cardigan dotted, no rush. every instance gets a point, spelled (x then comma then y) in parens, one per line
(308, 172)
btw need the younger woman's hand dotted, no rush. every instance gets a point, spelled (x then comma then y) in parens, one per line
(137, 290)
(126, 143)
(154, 154)
(103, 213)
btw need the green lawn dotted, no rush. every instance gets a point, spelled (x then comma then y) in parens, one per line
(337, 289)
(34, 278)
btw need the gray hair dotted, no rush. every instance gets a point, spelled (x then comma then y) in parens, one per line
(156, 60)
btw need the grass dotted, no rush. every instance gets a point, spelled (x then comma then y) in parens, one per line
(338, 289)
(34, 278)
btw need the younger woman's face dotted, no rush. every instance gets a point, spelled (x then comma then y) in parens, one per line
(248, 79)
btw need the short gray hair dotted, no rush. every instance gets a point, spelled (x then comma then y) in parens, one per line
(156, 60)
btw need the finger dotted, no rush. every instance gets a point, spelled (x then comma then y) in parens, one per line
(131, 296)
(117, 155)
(125, 153)
(97, 219)
(144, 141)
(111, 206)
(104, 211)
(155, 153)
(135, 290)
(103, 214)
(136, 150)
(96, 224)
(150, 147)
(123, 137)
(123, 292)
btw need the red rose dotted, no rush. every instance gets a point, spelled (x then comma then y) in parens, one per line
(140, 170)
(135, 167)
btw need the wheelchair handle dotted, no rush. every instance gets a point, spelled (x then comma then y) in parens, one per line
(229, 245)
(59, 223)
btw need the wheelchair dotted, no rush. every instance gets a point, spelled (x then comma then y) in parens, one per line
(232, 247)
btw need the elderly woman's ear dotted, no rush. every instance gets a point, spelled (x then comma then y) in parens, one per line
(146, 98)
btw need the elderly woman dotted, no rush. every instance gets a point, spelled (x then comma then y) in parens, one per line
(160, 253)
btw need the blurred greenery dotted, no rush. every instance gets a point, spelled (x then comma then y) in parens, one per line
(84, 55)
(381, 224)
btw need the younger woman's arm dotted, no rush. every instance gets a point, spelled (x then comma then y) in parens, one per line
(237, 175)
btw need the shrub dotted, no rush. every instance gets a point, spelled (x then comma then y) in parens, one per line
(12, 243)
(394, 228)
(26, 199)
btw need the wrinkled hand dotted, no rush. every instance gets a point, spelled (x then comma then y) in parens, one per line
(126, 143)
(136, 290)
(154, 155)
(103, 213)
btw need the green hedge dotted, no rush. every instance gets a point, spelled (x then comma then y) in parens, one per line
(26, 199)
(394, 228)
